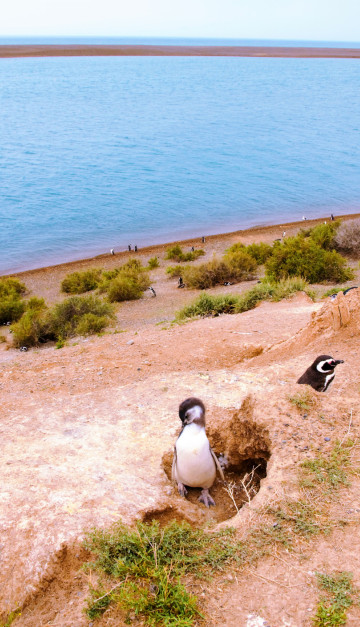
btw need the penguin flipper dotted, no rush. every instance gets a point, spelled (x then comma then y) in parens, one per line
(217, 464)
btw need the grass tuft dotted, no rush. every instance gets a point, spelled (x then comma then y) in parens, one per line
(331, 609)
(303, 400)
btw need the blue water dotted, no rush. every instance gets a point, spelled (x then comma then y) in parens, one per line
(102, 152)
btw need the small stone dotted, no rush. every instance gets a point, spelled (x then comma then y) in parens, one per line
(130, 342)
(327, 439)
(139, 368)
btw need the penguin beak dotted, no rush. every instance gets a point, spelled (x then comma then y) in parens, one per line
(338, 361)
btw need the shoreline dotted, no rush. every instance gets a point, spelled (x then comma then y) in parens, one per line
(89, 50)
(214, 244)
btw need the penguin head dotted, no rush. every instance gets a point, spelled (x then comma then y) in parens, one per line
(326, 364)
(192, 410)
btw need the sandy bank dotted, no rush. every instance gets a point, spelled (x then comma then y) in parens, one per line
(81, 50)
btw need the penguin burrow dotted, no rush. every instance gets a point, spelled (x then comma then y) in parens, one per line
(235, 440)
(321, 373)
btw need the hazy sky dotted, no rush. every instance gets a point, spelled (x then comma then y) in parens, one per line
(337, 20)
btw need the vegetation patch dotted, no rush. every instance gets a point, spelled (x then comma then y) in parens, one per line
(80, 282)
(152, 564)
(208, 305)
(147, 569)
(77, 315)
(231, 269)
(303, 400)
(12, 306)
(153, 263)
(128, 282)
(339, 596)
(260, 252)
(302, 256)
(176, 254)
(347, 238)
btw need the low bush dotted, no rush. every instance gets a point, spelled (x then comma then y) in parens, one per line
(11, 309)
(128, 282)
(124, 288)
(10, 286)
(12, 306)
(234, 267)
(75, 315)
(323, 234)
(79, 282)
(176, 254)
(175, 271)
(90, 324)
(242, 267)
(260, 252)
(299, 256)
(153, 263)
(347, 238)
(30, 329)
(207, 305)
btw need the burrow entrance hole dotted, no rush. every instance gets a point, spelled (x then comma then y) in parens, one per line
(243, 447)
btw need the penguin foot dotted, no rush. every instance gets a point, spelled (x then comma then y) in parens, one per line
(182, 490)
(206, 498)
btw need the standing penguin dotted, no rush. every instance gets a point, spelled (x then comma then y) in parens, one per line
(321, 373)
(194, 462)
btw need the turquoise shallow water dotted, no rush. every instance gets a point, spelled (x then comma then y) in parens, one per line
(102, 152)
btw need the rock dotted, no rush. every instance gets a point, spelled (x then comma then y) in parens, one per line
(327, 439)
(130, 342)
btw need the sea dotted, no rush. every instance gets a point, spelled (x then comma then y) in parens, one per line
(102, 152)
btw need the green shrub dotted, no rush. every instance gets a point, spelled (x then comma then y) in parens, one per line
(10, 286)
(176, 254)
(323, 234)
(128, 282)
(175, 271)
(62, 320)
(79, 282)
(260, 252)
(12, 306)
(11, 309)
(74, 315)
(347, 238)
(153, 263)
(233, 268)
(36, 304)
(2, 339)
(242, 267)
(299, 256)
(124, 288)
(30, 329)
(90, 323)
(207, 305)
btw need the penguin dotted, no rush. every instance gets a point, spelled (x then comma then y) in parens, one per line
(321, 373)
(152, 291)
(112, 251)
(194, 463)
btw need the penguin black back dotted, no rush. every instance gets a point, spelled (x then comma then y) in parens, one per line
(321, 373)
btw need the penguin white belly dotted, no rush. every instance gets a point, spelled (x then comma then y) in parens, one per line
(195, 466)
(328, 380)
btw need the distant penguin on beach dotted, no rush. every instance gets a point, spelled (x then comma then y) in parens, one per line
(332, 217)
(194, 463)
(181, 282)
(112, 251)
(321, 373)
(203, 239)
(135, 249)
(152, 291)
(129, 247)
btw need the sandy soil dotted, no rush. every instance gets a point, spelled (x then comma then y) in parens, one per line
(170, 51)
(87, 433)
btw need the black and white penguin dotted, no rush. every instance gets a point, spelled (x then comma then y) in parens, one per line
(321, 373)
(194, 463)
